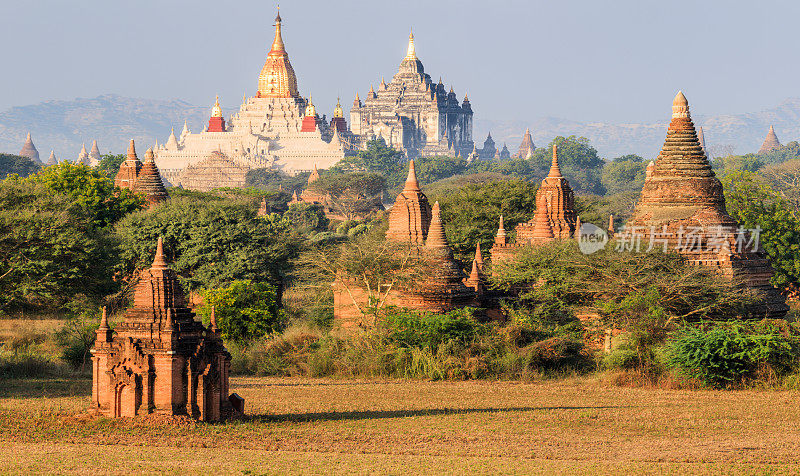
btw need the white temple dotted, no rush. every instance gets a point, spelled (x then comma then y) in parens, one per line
(276, 128)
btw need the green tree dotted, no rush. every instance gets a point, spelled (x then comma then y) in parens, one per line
(51, 251)
(110, 163)
(378, 158)
(471, 214)
(211, 242)
(245, 311)
(91, 190)
(624, 174)
(753, 203)
(785, 179)
(351, 194)
(431, 169)
(15, 164)
(271, 179)
(306, 217)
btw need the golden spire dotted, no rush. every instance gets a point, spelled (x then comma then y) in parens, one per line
(311, 111)
(277, 44)
(216, 111)
(337, 111)
(412, 52)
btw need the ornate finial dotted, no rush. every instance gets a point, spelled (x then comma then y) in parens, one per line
(278, 47)
(412, 184)
(159, 262)
(104, 319)
(680, 106)
(338, 111)
(478, 256)
(578, 227)
(216, 111)
(214, 327)
(311, 111)
(411, 53)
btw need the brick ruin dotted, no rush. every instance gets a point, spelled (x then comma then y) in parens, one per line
(413, 222)
(682, 208)
(159, 360)
(555, 216)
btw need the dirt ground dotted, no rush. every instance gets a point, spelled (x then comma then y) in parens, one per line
(295, 426)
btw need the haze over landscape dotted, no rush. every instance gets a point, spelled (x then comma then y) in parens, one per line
(597, 70)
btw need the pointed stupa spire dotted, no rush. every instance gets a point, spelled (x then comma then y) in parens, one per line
(500, 238)
(104, 319)
(277, 43)
(132, 151)
(29, 150)
(555, 170)
(160, 261)
(94, 153)
(411, 53)
(52, 159)
(702, 139)
(578, 227)
(412, 184)
(149, 180)
(185, 128)
(478, 257)
(83, 156)
(542, 229)
(436, 237)
(214, 327)
(770, 142)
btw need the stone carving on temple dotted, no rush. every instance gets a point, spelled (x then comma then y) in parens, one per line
(159, 359)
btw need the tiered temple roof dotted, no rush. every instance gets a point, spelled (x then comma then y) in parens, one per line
(527, 147)
(414, 114)
(682, 205)
(410, 216)
(149, 181)
(770, 142)
(159, 359)
(29, 150)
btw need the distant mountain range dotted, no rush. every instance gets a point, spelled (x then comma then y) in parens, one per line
(114, 120)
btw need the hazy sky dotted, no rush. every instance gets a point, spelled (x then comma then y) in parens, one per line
(614, 61)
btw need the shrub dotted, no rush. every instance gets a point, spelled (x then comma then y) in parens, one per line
(726, 354)
(76, 337)
(244, 310)
(427, 330)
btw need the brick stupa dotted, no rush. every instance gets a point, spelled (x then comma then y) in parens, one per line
(410, 216)
(682, 202)
(770, 142)
(159, 359)
(443, 289)
(148, 182)
(555, 215)
(129, 169)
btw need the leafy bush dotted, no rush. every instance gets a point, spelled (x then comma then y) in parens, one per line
(245, 311)
(728, 353)
(428, 330)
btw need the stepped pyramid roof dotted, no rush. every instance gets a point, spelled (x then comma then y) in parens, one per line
(770, 142)
(681, 195)
(149, 180)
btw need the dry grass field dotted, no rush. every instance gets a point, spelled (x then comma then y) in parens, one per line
(567, 426)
